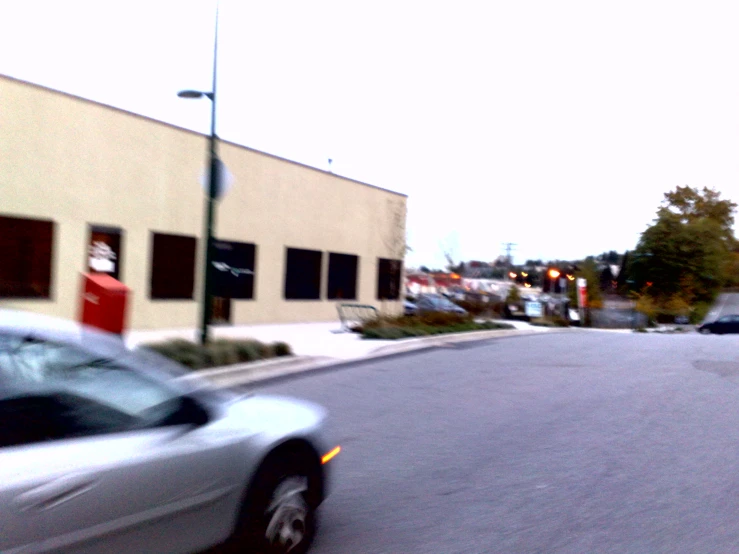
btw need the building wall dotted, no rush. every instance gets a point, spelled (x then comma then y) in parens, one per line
(80, 163)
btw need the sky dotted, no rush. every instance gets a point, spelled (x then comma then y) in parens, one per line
(556, 126)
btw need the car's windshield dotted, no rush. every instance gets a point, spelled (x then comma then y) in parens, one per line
(42, 368)
(440, 302)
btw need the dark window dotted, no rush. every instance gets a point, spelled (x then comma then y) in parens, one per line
(388, 279)
(233, 269)
(172, 266)
(104, 251)
(302, 274)
(342, 276)
(25, 257)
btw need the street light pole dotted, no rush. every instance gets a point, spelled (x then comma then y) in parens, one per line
(212, 193)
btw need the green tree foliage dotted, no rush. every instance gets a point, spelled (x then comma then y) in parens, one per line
(514, 295)
(688, 251)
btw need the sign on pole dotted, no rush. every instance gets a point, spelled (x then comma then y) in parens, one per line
(533, 309)
(224, 179)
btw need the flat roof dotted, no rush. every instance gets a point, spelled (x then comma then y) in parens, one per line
(159, 122)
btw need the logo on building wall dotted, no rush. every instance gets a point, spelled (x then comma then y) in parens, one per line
(235, 271)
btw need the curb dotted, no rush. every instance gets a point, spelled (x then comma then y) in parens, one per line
(281, 368)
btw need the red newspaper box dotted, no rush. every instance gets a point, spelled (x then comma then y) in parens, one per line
(104, 302)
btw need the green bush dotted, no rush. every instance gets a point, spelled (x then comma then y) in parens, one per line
(181, 351)
(542, 323)
(282, 349)
(220, 352)
(560, 321)
(408, 328)
(250, 350)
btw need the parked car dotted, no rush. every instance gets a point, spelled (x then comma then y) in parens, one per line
(724, 324)
(107, 449)
(437, 303)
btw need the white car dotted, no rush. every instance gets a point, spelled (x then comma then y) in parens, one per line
(105, 450)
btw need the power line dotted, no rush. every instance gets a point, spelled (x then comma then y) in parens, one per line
(509, 247)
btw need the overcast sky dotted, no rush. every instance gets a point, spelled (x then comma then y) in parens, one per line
(555, 125)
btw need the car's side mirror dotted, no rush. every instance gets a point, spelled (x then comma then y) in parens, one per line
(194, 412)
(189, 412)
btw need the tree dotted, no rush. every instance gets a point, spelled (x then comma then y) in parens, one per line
(395, 238)
(692, 206)
(612, 257)
(514, 295)
(687, 251)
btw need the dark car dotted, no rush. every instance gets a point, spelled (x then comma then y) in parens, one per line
(437, 303)
(723, 325)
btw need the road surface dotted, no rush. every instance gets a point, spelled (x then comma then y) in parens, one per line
(727, 303)
(577, 442)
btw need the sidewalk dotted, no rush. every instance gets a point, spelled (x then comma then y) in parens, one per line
(315, 345)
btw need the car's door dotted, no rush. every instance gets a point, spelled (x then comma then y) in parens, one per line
(723, 325)
(20, 531)
(99, 476)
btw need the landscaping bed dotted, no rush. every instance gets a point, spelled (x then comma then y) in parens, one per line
(435, 323)
(219, 352)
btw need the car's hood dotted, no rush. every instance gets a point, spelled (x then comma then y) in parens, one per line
(276, 415)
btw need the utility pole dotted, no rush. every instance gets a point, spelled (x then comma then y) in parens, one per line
(509, 247)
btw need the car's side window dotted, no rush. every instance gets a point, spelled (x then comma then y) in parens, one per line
(54, 391)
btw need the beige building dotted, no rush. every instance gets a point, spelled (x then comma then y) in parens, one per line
(86, 187)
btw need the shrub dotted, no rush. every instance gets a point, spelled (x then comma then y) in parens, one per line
(282, 349)
(249, 350)
(386, 333)
(218, 353)
(699, 312)
(560, 321)
(401, 328)
(542, 323)
(181, 351)
(437, 319)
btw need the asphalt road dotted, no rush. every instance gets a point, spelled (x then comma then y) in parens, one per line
(726, 304)
(581, 442)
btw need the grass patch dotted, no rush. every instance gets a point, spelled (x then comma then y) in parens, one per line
(554, 321)
(219, 352)
(427, 324)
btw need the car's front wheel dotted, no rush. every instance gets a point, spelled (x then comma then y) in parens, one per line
(280, 517)
(704, 331)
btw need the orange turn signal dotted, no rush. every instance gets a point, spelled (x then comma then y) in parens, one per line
(330, 455)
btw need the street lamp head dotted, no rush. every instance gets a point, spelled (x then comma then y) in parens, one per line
(191, 94)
